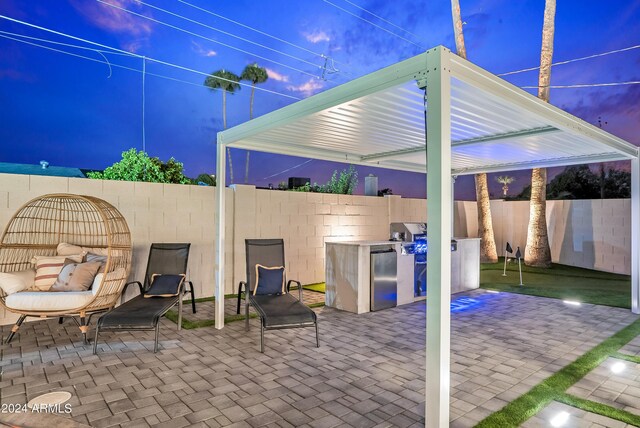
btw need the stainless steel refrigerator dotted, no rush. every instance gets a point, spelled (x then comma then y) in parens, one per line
(384, 278)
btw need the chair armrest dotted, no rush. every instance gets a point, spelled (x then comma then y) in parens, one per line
(299, 288)
(124, 290)
(242, 283)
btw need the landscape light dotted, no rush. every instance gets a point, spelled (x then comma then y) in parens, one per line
(571, 302)
(560, 419)
(618, 367)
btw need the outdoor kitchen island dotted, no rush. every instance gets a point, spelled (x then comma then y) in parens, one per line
(348, 271)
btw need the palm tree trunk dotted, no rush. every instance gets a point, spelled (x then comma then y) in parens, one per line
(246, 163)
(224, 125)
(488, 252)
(537, 251)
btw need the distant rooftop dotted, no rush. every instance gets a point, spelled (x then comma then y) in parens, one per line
(56, 171)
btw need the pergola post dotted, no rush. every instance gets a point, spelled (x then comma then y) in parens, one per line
(439, 200)
(635, 235)
(220, 235)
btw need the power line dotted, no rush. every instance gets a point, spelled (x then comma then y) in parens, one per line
(289, 169)
(205, 37)
(372, 23)
(586, 85)
(248, 27)
(381, 18)
(228, 33)
(157, 61)
(96, 60)
(573, 60)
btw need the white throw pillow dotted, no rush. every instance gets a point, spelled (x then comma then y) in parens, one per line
(12, 282)
(65, 249)
(48, 268)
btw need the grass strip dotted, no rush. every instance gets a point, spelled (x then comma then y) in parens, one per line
(626, 357)
(599, 409)
(190, 325)
(552, 388)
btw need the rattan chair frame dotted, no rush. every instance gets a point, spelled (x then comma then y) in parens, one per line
(42, 223)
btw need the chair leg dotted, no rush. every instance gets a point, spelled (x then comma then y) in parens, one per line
(317, 336)
(155, 344)
(95, 341)
(239, 298)
(60, 320)
(15, 328)
(246, 315)
(193, 298)
(261, 337)
(180, 312)
(84, 328)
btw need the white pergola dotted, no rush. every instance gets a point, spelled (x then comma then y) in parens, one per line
(435, 113)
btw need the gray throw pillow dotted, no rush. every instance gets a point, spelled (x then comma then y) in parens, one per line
(92, 257)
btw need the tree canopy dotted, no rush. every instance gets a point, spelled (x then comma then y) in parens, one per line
(138, 166)
(580, 182)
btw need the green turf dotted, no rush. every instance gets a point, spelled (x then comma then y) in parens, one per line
(560, 282)
(319, 287)
(599, 408)
(187, 324)
(554, 387)
(627, 357)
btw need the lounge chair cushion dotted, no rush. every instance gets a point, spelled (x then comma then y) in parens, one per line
(284, 309)
(76, 277)
(48, 300)
(269, 280)
(12, 282)
(165, 285)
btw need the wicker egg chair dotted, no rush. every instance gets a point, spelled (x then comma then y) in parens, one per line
(42, 223)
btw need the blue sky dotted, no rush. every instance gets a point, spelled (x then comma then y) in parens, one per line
(75, 112)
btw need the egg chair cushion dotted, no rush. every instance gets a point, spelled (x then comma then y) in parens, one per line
(36, 301)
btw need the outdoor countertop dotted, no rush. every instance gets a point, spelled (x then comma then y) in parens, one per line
(364, 243)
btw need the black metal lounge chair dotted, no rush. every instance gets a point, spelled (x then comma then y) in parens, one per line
(276, 311)
(142, 313)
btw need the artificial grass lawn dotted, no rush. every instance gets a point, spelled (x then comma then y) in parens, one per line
(187, 324)
(560, 282)
(554, 387)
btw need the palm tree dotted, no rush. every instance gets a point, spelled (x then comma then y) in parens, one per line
(488, 253)
(505, 180)
(228, 82)
(254, 74)
(537, 252)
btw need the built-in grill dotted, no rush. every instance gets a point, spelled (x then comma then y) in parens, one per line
(414, 238)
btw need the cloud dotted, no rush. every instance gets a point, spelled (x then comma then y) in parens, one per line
(113, 19)
(197, 48)
(276, 76)
(133, 46)
(317, 36)
(308, 88)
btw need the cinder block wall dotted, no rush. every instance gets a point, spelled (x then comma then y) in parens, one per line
(594, 234)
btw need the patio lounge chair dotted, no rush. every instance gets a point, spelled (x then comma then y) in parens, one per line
(142, 313)
(277, 310)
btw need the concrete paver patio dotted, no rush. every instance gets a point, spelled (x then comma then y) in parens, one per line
(369, 370)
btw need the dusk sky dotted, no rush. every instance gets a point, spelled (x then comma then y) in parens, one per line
(75, 112)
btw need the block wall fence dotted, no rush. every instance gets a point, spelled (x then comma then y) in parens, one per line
(587, 233)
